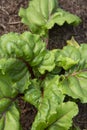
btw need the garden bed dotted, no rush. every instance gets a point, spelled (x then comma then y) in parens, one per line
(10, 22)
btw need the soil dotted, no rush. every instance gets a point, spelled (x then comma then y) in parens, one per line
(10, 22)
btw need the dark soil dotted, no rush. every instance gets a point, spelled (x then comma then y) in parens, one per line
(10, 22)
(59, 35)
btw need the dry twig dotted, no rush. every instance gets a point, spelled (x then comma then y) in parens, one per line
(3, 26)
(4, 10)
(13, 23)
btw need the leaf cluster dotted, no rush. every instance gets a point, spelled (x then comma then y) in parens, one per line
(45, 78)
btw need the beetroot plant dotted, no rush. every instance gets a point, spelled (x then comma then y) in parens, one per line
(51, 80)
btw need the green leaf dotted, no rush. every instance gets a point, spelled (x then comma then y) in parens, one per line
(75, 87)
(50, 100)
(66, 112)
(26, 47)
(33, 94)
(17, 71)
(36, 45)
(48, 63)
(73, 42)
(41, 15)
(9, 113)
(1, 123)
(52, 112)
(6, 87)
(7, 92)
(60, 17)
(25, 51)
(83, 51)
(74, 83)
(10, 119)
(67, 57)
(60, 120)
(65, 62)
(5, 102)
(56, 71)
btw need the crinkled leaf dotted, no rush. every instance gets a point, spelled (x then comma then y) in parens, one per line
(60, 17)
(47, 109)
(48, 63)
(65, 113)
(41, 15)
(60, 120)
(33, 94)
(6, 86)
(67, 57)
(29, 50)
(26, 47)
(65, 62)
(71, 52)
(36, 45)
(9, 120)
(17, 71)
(75, 80)
(7, 92)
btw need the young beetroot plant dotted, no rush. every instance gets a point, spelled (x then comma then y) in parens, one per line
(51, 80)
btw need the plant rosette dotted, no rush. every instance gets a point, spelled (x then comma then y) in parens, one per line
(51, 80)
